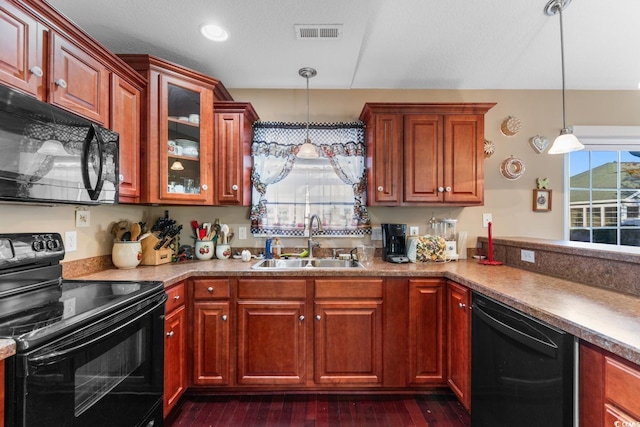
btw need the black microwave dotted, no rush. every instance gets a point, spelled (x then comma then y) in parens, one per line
(51, 156)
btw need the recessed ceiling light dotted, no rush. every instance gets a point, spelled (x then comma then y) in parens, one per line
(214, 32)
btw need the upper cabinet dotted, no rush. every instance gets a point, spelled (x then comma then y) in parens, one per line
(233, 137)
(48, 57)
(425, 154)
(178, 133)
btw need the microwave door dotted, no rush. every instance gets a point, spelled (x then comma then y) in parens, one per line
(92, 161)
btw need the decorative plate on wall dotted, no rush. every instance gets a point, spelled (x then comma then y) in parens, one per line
(489, 148)
(510, 126)
(512, 168)
(539, 143)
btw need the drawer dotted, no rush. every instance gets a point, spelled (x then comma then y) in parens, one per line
(341, 288)
(175, 297)
(622, 386)
(272, 289)
(211, 289)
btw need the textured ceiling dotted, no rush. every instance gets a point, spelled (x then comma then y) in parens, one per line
(389, 44)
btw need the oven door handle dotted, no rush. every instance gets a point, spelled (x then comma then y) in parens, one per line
(53, 356)
(547, 348)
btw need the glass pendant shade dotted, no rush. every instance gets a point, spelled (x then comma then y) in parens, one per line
(566, 142)
(307, 151)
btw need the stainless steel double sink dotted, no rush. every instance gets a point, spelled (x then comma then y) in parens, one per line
(302, 263)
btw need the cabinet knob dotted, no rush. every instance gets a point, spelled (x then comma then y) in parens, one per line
(121, 178)
(318, 317)
(440, 189)
(36, 71)
(462, 305)
(301, 317)
(224, 317)
(380, 188)
(177, 297)
(234, 187)
(170, 334)
(205, 187)
(210, 289)
(448, 189)
(61, 83)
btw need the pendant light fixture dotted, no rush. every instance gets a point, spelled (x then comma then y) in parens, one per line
(307, 150)
(566, 142)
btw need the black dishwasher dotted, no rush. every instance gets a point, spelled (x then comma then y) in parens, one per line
(522, 369)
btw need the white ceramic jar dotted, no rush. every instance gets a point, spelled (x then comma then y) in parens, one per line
(126, 255)
(204, 249)
(223, 251)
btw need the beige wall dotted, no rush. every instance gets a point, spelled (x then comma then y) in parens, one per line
(508, 201)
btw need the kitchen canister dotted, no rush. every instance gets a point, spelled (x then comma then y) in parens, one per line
(126, 255)
(223, 251)
(204, 249)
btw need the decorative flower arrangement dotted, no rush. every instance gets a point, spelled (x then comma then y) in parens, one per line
(430, 249)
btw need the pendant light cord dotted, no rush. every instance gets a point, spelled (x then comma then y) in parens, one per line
(564, 119)
(307, 110)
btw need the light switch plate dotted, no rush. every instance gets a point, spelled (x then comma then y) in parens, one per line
(242, 233)
(414, 230)
(376, 233)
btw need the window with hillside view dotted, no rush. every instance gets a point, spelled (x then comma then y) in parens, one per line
(604, 193)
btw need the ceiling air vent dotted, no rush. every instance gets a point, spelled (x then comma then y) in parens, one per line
(318, 32)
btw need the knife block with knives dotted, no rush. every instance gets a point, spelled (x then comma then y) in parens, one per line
(153, 256)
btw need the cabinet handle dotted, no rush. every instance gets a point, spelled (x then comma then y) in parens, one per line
(61, 83)
(177, 297)
(440, 189)
(318, 317)
(205, 187)
(210, 289)
(462, 305)
(380, 188)
(234, 187)
(36, 71)
(121, 178)
(170, 334)
(448, 189)
(301, 317)
(224, 317)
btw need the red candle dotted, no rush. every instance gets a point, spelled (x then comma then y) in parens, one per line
(490, 250)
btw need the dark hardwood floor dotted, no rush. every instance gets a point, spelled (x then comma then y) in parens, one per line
(313, 410)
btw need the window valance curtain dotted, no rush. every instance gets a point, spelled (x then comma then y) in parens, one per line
(274, 149)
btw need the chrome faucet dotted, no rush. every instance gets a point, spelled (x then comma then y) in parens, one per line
(311, 242)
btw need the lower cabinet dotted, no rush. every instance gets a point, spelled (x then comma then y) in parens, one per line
(211, 332)
(609, 389)
(271, 331)
(459, 342)
(426, 332)
(348, 332)
(175, 347)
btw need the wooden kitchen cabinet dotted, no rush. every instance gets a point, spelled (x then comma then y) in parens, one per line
(126, 108)
(177, 138)
(425, 154)
(175, 347)
(609, 389)
(426, 332)
(459, 342)
(348, 337)
(211, 331)
(271, 331)
(233, 138)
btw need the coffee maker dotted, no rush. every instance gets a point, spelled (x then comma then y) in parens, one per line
(394, 243)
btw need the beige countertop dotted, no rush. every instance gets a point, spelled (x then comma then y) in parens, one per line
(606, 318)
(7, 348)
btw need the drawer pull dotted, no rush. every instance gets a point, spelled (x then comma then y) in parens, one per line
(170, 334)
(301, 317)
(224, 317)
(448, 189)
(61, 83)
(210, 289)
(318, 317)
(176, 298)
(462, 305)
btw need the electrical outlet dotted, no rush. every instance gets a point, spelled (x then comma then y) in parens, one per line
(486, 219)
(242, 233)
(376, 233)
(70, 241)
(528, 256)
(414, 230)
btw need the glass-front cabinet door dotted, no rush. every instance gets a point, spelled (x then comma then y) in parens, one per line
(185, 142)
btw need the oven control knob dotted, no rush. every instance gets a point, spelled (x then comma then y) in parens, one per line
(53, 245)
(39, 246)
